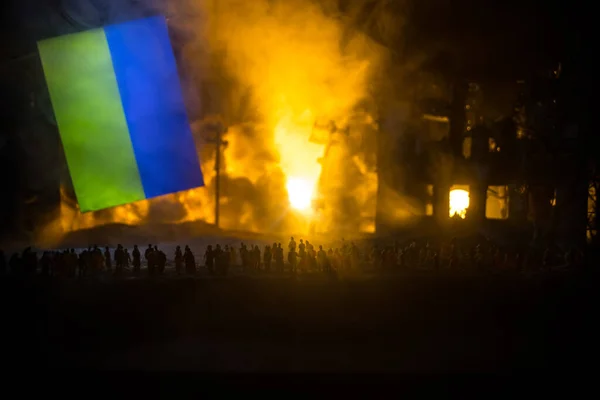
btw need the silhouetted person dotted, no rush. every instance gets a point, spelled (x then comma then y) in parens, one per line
(149, 250)
(267, 256)
(137, 260)
(301, 256)
(292, 245)
(279, 258)
(81, 265)
(157, 260)
(232, 256)
(209, 260)
(161, 260)
(223, 259)
(293, 260)
(126, 259)
(219, 260)
(310, 256)
(256, 258)
(97, 259)
(178, 260)
(322, 262)
(151, 256)
(190, 261)
(119, 260)
(72, 262)
(107, 259)
(244, 255)
(338, 260)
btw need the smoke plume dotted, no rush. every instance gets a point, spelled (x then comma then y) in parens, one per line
(295, 83)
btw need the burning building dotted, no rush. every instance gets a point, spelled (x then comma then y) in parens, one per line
(293, 84)
(327, 127)
(517, 169)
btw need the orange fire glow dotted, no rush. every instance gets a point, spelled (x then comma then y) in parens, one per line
(301, 65)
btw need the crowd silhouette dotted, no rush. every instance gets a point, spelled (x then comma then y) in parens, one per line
(301, 257)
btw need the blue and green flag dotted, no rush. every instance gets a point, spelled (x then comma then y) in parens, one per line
(119, 107)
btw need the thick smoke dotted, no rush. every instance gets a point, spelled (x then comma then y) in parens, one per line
(281, 73)
(298, 86)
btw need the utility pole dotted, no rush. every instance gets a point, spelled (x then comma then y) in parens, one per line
(219, 142)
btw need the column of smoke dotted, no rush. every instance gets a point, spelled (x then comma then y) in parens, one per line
(272, 71)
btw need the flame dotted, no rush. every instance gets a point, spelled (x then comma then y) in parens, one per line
(300, 192)
(271, 70)
(459, 202)
(299, 161)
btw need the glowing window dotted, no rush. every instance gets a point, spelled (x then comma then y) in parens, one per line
(429, 209)
(430, 190)
(459, 200)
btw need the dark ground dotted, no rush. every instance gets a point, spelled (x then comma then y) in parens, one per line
(361, 323)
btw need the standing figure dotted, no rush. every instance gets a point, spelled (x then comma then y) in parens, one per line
(137, 260)
(322, 262)
(81, 265)
(219, 260)
(267, 256)
(256, 258)
(151, 257)
(293, 260)
(178, 260)
(232, 256)
(209, 260)
(279, 258)
(292, 245)
(225, 261)
(147, 254)
(107, 259)
(126, 258)
(161, 260)
(244, 255)
(190, 261)
(119, 259)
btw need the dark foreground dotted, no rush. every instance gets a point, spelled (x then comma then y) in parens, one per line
(384, 323)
